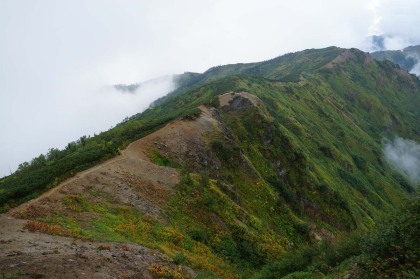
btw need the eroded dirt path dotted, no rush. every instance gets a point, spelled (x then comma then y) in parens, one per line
(25, 254)
(131, 179)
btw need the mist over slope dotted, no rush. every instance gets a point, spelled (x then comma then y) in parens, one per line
(404, 155)
(408, 58)
(88, 110)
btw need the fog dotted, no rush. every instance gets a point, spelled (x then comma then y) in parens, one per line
(397, 21)
(59, 59)
(78, 111)
(416, 68)
(404, 155)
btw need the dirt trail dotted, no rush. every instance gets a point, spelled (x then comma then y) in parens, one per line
(132, 180)
(25, 254)
(127, 177)
(54, 190)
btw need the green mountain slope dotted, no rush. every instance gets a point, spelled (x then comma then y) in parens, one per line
(325, 132)
(283, 68)
(292, 155)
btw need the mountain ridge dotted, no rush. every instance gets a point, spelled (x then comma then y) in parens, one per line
(268, 156)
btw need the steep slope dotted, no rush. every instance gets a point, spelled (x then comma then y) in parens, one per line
(237, 166)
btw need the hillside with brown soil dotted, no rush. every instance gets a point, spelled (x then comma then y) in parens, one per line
(131, 180)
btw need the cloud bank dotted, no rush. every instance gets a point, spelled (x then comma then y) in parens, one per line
(396, 21)
(78, 111)
(404, 155)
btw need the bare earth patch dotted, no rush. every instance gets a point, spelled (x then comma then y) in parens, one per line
(24, 254)
(225, 99)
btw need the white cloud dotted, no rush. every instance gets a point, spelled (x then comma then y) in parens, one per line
(404, 155)
(397, 21)
(416, 68)
(374, 28)
(36, 126)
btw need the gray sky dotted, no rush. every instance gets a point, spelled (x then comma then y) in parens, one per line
(58, 57)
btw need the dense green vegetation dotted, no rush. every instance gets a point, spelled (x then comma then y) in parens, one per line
(390, 250)
(304, 164)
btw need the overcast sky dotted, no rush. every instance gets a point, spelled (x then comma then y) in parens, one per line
(57, 58)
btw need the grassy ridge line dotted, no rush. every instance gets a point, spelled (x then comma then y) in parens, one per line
(285, 68)
(47, 171)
